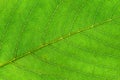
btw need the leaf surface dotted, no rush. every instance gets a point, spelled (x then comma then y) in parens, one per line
(59, 40)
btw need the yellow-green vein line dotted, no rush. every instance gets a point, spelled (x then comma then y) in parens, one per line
(57, 40)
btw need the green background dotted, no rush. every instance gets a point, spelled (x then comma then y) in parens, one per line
(34, 46)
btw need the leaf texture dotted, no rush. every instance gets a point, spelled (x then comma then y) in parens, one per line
(59, 40)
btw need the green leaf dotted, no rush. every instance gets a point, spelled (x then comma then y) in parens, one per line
(59, 40)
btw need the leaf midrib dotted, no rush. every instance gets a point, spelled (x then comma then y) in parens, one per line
(57, 40)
